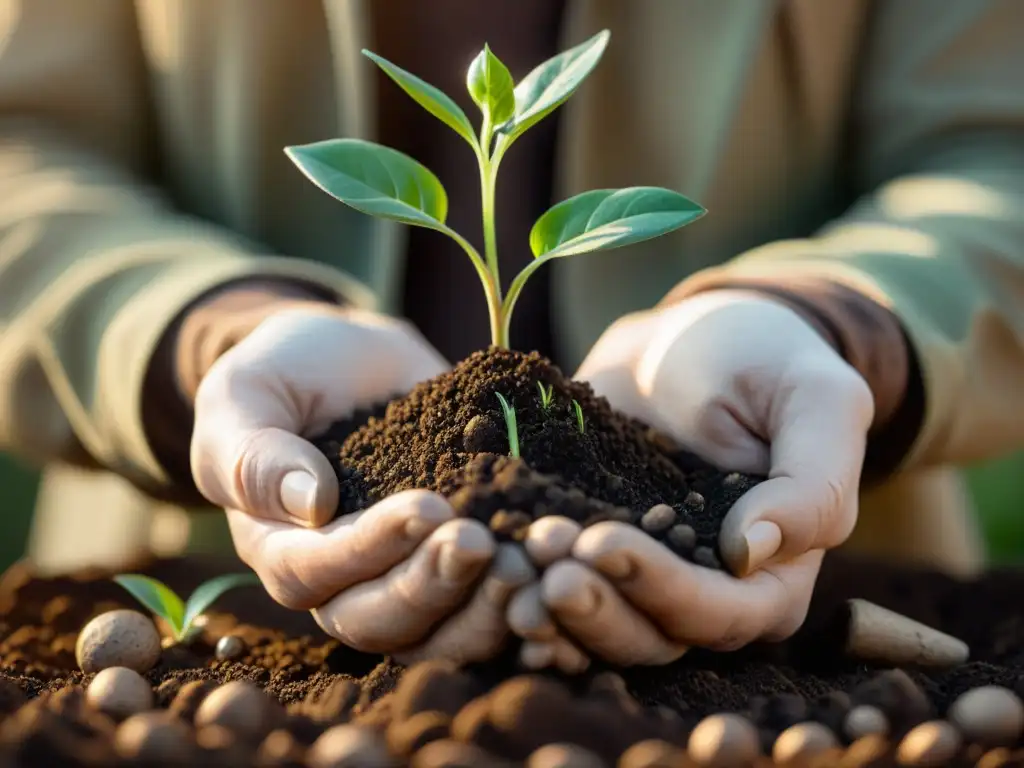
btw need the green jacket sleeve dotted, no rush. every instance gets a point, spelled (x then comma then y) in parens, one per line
(938, 236)
(93, 264)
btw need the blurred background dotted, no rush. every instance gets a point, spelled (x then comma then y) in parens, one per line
(997, 487)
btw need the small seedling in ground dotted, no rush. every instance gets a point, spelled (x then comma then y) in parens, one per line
(179, 614)
(547, 395)
(510, 425)
(383, 182)
(579, 416)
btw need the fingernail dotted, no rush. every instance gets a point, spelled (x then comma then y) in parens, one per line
(451, 562)
(763, 540)
(580, 603)
(616, 565)
(298, 494)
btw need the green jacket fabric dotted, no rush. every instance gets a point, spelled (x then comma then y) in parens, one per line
(878, 143)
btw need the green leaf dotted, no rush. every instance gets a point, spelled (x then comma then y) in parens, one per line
(491, 86)
(376, 180)
(610, 218)
(432, 99)
(206, 594)
(551, 83)
(157, 597)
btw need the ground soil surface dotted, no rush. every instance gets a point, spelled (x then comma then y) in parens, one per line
(319, 683)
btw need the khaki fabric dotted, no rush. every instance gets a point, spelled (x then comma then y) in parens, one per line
(880, 143)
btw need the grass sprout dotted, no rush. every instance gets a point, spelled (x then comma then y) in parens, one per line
(547, 395)
(510, 425)
(579, 416)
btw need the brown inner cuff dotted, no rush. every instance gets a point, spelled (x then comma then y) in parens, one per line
(203, 332)
(869, 337)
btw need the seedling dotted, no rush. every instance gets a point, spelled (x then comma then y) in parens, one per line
(383, 182)
(179, 614)
(547, 395)
(579, 416)
(510, 426)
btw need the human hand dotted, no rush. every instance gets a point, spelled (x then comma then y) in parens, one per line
(383, 578)
(747, 384)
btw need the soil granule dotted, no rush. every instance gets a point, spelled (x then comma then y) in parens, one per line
(432, 708)
(449, 435)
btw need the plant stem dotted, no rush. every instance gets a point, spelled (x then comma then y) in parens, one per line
(488, 177)
(492, 291)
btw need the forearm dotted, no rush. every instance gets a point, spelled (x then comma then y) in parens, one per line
(96, 270)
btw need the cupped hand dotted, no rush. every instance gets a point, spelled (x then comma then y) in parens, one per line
(746, 383)
(401, 576)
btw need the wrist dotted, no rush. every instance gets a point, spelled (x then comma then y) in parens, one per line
(198, 336)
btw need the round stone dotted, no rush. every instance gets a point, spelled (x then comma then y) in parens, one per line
(120, 692)
(350, 746)
(990, 715)
(935, 742)
(240, 707)
(724, 740)
(563, 756)
(229, 647)
(865, 720)
(802, 742)
(658, 518)
(120, 638)
(153, 736)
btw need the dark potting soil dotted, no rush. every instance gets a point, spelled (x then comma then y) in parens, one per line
(449, 435)
(487, 715)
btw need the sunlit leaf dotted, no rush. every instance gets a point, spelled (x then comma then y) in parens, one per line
(610, 218)
(491, 86)
(551, 83)
(206, 594)
(156, 596)
(374, 179)
(432, 99)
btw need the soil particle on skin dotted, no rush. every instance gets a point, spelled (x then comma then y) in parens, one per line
(449, 435)
(436, 714)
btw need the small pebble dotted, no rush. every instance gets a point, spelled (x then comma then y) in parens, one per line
(706, 557)
(452, 754)
(229, 647)
(404, 737)
(350, 746)
(683, 538)
(694, 502)
(865, 720)
(996, 758)
(802, 742)
(658, 518)
(732, 479)
(240, 706)
(120, 692)
(932, 743)
(120, 638)
(482, 435)
(563, 756)
(653, 753)
(613, 482)
(153, 736)
(990, 715)
(724, 741)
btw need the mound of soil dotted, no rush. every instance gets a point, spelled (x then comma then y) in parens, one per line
(449, 435)
(434, 715)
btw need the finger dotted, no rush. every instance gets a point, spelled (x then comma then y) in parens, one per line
(478, 632)
(401, 607)
(590, 611)
(558, 653)
(688, 604)
(550, 539)
(528, 617)
(301, 568)
(810, 499)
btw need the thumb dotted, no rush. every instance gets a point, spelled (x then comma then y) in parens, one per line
(809, 501)
(246, 453)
